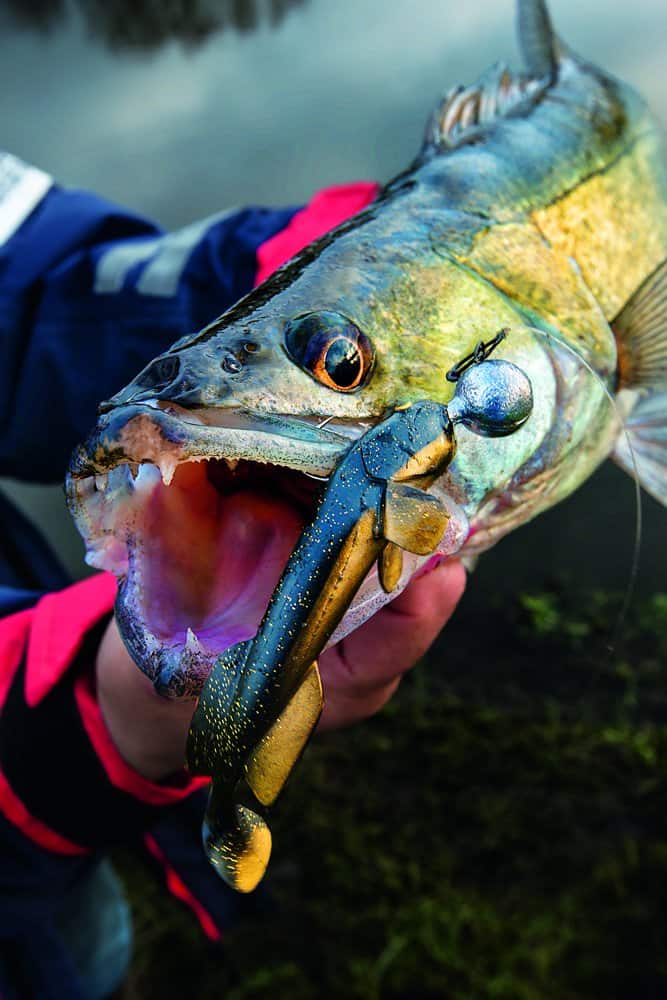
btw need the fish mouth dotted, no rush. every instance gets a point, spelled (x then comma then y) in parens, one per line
(196, 512)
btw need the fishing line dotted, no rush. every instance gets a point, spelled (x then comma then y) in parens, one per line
(311, 475)
(634, 563)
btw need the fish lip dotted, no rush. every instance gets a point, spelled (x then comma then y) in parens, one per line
(146, 432)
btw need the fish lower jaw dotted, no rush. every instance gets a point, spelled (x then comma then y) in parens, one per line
(198, 553)
(176, 671)
(196, 520)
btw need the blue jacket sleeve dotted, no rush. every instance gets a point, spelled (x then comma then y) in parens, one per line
(89, 293)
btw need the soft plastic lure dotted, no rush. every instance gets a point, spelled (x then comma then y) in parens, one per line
(263, 697)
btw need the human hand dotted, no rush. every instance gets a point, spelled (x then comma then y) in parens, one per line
(362, 671)
(359, 674)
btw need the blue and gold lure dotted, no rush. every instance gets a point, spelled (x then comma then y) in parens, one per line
(263, 697)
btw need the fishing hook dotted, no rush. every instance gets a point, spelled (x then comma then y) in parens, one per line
(481, 353)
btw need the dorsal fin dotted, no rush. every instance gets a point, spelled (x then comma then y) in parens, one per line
(464, 111)
(539, 45)
(500, 93)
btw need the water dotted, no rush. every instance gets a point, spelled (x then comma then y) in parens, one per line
(335, 92)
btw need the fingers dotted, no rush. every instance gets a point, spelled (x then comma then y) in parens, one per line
(148, 730)
(362, 672)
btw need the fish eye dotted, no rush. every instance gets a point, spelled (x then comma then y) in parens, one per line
(331, 348)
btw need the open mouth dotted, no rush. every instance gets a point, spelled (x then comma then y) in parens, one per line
(197, 514)
(197, 535)
(204, 557)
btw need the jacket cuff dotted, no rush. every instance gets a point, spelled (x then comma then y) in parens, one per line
(326, 210)
(63, 782)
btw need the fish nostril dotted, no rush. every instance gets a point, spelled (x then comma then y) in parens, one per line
(231, 365)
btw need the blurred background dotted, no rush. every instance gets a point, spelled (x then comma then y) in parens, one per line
(178, 109)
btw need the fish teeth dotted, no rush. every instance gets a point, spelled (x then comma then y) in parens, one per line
(192, 643)
(231, 463)
(101, 482)
(147, 477)
(167, 468)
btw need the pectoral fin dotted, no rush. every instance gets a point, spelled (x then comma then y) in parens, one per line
(270, 763)
(643, 444)
(641, 331)
(412, 519)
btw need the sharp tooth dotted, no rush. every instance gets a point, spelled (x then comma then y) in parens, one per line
(231, 463)
(167, 469)
(101, 482)
(147, 477)
(192, 643)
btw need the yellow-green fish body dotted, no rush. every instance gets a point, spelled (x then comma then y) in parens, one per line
(537, 206)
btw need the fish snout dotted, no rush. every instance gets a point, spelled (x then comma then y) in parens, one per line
(189, 379)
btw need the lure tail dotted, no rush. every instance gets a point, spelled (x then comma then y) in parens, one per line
(236, 838)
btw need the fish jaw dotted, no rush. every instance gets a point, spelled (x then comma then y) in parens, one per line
(196, 520)
(196, 513)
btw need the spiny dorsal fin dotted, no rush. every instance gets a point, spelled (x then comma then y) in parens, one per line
(465, 110)
(641, 332)
(500, 93)
(539, 46)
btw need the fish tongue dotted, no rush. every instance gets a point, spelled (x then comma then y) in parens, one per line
(255, 537)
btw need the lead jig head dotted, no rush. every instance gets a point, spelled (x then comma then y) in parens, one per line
(492, 398)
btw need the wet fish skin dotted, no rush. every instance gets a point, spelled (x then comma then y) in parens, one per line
(537, 204)
(531, 227)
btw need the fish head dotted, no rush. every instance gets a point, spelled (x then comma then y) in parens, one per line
(200, 474)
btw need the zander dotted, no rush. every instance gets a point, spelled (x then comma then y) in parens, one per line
(538, 206)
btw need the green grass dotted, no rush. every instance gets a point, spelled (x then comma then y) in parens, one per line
(500, 831)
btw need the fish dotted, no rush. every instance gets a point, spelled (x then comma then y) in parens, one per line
(536, 208)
